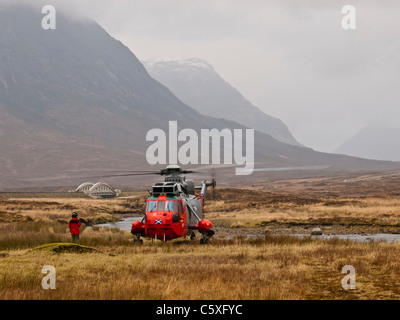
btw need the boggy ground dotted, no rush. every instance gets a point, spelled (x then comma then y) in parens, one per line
(366, 204)
(258, 212)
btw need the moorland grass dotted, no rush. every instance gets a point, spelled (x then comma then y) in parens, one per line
(271, 268)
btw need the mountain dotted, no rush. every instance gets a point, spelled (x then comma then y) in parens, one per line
(377, 142)
(196, 83)
(75, 98)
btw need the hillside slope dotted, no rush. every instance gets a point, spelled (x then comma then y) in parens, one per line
(377, 142)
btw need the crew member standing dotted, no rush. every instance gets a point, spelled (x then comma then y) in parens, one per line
(74, 226)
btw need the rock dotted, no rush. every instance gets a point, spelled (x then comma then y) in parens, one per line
(3, 255)
(316, 232)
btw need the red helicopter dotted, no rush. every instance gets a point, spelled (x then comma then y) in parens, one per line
(174, 209)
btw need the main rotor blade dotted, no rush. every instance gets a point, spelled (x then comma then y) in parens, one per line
(45, 179)
(215, 167)
(189, 171)
(303, 168)
(110, 170)
(125, 175)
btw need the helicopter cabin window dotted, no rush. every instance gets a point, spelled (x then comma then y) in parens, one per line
(170, 205)
(160, 205)
(151, 206)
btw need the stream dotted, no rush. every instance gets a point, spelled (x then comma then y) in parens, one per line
(126, 224)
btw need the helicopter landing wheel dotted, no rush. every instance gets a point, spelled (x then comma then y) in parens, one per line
(205, 241)
(192, 236)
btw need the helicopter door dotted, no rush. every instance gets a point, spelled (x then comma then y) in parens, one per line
(182, 220)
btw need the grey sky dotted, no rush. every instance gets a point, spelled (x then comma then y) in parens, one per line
(290, 58)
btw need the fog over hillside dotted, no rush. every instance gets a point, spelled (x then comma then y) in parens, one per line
(379, 142)
(197, 84)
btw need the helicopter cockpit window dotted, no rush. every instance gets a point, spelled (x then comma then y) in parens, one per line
(151, 206)
(170, 205)
(160, 205)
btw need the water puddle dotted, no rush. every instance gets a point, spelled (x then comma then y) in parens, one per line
(124, 224)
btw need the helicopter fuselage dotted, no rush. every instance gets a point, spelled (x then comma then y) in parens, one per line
(168, 218)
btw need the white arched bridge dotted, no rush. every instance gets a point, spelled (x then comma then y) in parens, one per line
(99, 189)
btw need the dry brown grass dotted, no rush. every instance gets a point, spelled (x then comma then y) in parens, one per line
(275, 268)
(386, 211)
(92, 211)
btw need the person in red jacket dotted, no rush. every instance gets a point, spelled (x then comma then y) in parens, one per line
(74, 226)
